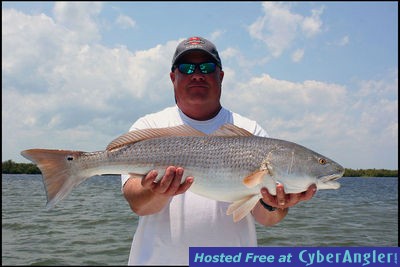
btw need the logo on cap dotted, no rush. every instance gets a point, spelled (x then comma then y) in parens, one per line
(194, 41)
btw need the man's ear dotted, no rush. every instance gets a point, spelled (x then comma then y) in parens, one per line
(221, 75)
(172, 76)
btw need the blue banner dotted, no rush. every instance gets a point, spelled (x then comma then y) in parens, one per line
(294, 256)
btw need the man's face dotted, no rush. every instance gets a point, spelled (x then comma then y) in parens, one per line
(197, 89)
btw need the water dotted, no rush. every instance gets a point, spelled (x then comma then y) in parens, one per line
(94, 225)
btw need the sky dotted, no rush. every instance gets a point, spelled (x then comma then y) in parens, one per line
(76, 75)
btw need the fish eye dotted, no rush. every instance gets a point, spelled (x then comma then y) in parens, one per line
(322, 161)
(70, 157)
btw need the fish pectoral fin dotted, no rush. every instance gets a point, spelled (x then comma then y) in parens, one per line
(242, 207)
(254, 178)
(231, 130)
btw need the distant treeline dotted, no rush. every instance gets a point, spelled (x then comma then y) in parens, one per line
(12, 167)
(370, 173)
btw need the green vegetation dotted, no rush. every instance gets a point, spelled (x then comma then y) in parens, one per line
(370, 173)
(29, 168)
(11, 167)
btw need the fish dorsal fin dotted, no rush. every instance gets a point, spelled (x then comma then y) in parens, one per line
(140, 135)
(231, 130)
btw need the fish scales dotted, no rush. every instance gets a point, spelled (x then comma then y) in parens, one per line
(200, 152)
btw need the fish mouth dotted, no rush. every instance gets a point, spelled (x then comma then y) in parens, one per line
(331, 177)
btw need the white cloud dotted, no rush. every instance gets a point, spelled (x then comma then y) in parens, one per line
(312, 25)
(59, 87)
(279, 27)
(125, 21)
(326, 117)
(285, 99)
(215, 35)
(298, 55)
(345, 40)
(234, 57)
(79, 18)
(229, 53)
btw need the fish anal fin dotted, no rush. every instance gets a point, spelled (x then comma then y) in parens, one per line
(254, 178)
(235, 205)
(242, 207)
(231, 130)
(144, 134)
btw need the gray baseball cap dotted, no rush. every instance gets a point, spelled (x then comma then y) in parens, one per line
(196, 44)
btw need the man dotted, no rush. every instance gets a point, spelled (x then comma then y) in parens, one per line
(172, 218)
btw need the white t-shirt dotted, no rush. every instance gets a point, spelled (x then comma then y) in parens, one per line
(189, 220)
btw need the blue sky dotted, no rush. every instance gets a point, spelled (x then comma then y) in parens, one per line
(321, 74)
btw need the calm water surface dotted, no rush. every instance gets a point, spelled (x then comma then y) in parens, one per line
(94, 225)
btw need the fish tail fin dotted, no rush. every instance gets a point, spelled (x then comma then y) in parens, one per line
(59, 177)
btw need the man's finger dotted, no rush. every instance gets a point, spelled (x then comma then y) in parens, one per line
(185, 186)
(167, 179)
(176, 182)
(148, 180)
(312, 189)
(280, 195)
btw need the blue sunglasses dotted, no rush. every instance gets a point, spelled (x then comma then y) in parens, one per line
(190, 68)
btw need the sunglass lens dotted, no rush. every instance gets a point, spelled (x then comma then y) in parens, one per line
(187, 68)
(207, 67)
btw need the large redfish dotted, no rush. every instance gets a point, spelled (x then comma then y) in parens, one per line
(229, 165)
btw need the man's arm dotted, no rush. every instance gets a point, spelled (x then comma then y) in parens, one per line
(147, 197)
(281, 202)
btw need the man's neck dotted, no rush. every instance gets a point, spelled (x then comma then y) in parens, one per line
(201, 113)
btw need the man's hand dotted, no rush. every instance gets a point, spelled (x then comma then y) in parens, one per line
(145, 196)
(283, 200)
(170, 183)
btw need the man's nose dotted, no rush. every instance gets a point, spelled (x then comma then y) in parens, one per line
(197, 75)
